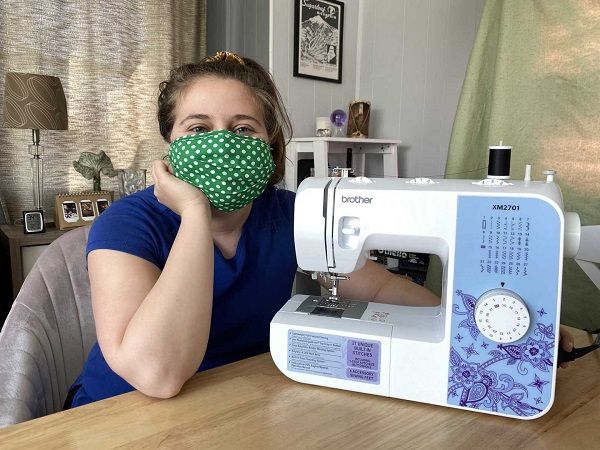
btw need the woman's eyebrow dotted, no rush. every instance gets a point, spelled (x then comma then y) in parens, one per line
(199, 116)
(245, 117)
(194, 116)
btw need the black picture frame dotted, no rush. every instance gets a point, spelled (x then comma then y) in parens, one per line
(318, 39)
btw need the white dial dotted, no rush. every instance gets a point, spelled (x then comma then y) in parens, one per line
(502, 316)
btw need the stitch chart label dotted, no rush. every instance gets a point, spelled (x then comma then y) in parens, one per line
(334, 356)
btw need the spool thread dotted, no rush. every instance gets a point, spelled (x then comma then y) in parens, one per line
(499, 162)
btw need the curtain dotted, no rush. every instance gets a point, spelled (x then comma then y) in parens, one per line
(110, 56)
(533, 81)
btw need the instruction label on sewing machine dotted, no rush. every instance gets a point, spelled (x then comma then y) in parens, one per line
(334, 356)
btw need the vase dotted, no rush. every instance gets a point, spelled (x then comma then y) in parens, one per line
(131, 180)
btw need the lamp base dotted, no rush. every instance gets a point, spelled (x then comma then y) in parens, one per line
(37, 174)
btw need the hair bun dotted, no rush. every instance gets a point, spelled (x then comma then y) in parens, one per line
(225, 56)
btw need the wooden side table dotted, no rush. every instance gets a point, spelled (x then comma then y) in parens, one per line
(13, 244)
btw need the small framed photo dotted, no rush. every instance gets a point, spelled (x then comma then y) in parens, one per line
(102, 204)
(318, 39)
(69, 211)
(33, 222)
(79, 208)
(87, 210)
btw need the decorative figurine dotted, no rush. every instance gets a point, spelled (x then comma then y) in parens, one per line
(359, 114)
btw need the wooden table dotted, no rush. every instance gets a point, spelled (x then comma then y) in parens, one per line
(250, 404)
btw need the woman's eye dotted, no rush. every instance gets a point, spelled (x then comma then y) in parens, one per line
(199, 130)
(242, 129)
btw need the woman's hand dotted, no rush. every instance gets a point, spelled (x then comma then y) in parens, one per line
(565, 342)
(174, 193)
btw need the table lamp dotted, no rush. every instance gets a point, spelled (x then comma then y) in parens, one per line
(36, 102)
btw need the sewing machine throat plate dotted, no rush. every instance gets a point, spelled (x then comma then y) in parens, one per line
(323, 306)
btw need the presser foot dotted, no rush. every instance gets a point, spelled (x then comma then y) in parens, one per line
(332, 278)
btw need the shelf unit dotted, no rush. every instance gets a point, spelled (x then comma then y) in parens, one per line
(328, 151)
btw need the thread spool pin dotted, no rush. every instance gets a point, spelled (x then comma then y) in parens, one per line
(527, 172)
(549, 175)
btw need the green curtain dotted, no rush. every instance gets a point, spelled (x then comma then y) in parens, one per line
(533, 81)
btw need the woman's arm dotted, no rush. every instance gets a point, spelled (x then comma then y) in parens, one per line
(153, 326)
(373, 282)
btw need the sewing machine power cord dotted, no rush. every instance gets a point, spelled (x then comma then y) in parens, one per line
(564, 356)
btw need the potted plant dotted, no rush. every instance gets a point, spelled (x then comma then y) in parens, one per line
(92, 165)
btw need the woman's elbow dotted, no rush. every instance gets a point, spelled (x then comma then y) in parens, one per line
(161, 389)
(159, 383)
(152, 380)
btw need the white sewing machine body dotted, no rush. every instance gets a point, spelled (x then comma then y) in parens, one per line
(490, 346)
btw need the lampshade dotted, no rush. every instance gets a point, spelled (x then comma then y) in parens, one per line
(35, 102)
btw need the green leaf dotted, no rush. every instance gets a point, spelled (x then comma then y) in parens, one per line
(91, 165)
(86, 171)
(109, 171)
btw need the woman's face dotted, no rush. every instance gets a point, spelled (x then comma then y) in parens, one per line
(211, 103)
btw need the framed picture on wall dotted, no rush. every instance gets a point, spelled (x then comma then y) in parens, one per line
(318, 39)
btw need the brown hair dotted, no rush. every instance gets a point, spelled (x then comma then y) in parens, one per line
(231, 66)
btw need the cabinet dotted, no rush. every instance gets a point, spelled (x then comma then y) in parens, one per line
(332, 152)
(19, 252)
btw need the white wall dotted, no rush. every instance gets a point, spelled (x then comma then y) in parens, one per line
(413, 60)
(408, 57)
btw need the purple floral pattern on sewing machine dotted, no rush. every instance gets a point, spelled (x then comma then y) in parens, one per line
(513, 379)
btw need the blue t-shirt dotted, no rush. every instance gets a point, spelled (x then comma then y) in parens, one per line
(248, 288)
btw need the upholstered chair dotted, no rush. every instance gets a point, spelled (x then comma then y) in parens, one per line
(48, 332)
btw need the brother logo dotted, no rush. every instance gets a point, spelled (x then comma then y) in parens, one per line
(356, 199)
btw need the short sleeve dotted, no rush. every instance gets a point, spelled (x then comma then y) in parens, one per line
(135, 225)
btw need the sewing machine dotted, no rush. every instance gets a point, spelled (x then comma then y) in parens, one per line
(491, 346)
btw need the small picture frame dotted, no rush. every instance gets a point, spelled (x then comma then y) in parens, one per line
(318, 39)
(88, 213)
(102, 204)
(80, 208)
(33, 222)
(69, 211)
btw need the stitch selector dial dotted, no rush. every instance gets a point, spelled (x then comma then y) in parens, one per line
(502, 316)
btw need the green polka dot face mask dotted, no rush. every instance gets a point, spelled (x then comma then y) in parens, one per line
(231, 169)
